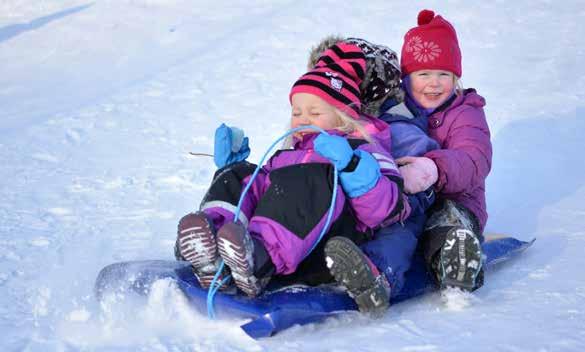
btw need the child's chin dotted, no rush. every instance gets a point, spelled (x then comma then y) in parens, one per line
(434, 103)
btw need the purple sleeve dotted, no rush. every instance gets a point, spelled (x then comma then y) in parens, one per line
(466, 155)
(385, 203)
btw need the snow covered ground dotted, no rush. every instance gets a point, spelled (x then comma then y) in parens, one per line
(100, 103)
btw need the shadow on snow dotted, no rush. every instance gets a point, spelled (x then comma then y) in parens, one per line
(536, 163)
(14, 30)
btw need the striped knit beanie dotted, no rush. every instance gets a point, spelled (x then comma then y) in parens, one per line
(336, 78)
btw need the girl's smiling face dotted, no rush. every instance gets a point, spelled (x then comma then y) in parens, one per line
(431, 88)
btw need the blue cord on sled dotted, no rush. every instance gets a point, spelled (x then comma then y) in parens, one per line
(214, 287)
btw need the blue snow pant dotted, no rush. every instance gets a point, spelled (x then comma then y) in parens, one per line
(393, 246)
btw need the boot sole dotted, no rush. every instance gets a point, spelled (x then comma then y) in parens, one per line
(231, 245)
(206, 279)
(350, 268)
(196, 244)
(460, 260)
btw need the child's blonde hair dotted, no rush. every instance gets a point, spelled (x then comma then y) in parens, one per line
(352, 126)
(458, 85)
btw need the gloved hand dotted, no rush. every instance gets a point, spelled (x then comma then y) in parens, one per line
(334, 148)
(419, 173)
(231, 146)
(363, 178)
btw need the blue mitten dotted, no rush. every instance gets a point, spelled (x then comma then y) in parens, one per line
(231, 146)
(363, 178)
(334, 148)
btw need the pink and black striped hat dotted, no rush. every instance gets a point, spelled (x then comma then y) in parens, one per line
(336, 78)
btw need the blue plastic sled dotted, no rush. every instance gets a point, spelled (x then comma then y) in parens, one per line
(281, 308)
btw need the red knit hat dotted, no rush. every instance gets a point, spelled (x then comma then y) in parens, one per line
(336, 78)
(432, 45)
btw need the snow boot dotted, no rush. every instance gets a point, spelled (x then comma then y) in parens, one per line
(459, 261)
(245, 257)
(352, 269)
(196, 244)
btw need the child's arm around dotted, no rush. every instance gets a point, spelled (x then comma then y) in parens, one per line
(369, 178)
(464, 161)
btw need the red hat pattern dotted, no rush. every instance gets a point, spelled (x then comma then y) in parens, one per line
(432, 45)
(336, 78)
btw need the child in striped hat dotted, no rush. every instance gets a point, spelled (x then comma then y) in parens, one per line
(285, 210)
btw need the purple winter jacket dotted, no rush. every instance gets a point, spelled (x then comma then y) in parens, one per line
(384, 204)
(465, 156)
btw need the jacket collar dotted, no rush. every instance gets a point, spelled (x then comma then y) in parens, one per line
(467, 97)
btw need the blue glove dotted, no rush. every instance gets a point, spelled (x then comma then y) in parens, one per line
(334, 148)
(363, 178)
(230, 146)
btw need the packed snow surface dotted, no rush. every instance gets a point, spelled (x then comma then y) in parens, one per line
(101, 103)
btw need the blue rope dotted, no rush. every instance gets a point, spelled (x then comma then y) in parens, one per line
(214, 287)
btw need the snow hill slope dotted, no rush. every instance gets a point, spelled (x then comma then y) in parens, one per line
(100, 103)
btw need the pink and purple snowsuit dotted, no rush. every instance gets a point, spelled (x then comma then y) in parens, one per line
(287, 204)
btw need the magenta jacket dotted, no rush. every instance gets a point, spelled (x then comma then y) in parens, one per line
(465, 157)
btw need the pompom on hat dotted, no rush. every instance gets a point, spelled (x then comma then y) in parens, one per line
(336, 78)
(432, 45)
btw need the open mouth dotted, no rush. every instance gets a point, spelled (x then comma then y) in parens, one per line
(302, 133)
(433, 96)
